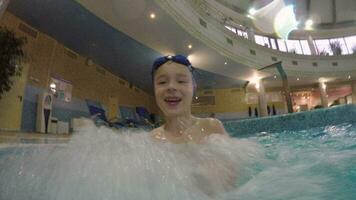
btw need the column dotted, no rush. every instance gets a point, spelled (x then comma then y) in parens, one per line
(323, 95)
(311, 45)
(251, 34)
(353, 95)
(287, 92)
(262, 101)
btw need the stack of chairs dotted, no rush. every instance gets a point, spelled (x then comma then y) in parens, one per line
(145, 117)
(131, 117)
(97, 113)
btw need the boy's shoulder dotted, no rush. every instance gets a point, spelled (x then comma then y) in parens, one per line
(157, 133)
(212, 125)
(210, 121)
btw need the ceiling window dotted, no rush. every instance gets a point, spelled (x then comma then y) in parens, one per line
(231, 28)
(259, 40)
(242, 34)
(245, 35)
(266, 40)
(343, 46)
(323, 47)
(282, 45)
(273, 43)
(262, 40)
(293, 46)
(305, 47)
(351, 43)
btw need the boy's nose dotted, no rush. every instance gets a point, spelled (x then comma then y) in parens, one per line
(172, 85)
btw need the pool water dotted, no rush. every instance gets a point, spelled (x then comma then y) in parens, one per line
(320, 163)
(99, 163)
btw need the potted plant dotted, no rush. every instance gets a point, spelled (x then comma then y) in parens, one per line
(323, 53)
(335, 47)
(293, 51)
(11, 53)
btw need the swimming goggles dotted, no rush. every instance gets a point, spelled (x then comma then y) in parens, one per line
(180, 59)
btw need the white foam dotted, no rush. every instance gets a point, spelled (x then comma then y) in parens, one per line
(100, 163)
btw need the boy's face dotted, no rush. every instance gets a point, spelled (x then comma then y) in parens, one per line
(174, 88)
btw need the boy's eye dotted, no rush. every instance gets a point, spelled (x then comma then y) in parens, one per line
(161, 82)
(182, 80)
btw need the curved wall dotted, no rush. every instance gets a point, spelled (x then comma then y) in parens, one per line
(340, 30)
(214, 34)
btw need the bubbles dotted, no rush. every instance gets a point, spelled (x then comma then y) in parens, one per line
(100, 163)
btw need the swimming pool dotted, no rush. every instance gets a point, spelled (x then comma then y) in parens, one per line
(320, 163)
(316, 163)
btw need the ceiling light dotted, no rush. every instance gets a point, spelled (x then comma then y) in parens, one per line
(190, 46)
(252, 11)
(257, 85)
(225, 63)
(349, 77)
(275, 77)
(152, 15)
(298, 79)
(52, 85)
(308, 24)
(190, 57)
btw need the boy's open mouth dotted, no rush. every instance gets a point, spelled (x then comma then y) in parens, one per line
(172, 101)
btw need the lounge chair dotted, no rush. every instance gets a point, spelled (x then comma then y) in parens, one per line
(99, 117)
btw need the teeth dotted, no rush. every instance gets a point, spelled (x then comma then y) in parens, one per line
(172, 99)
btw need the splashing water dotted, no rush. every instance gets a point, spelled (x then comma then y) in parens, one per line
(99, 163)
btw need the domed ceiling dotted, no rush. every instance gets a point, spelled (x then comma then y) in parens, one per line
(326, 14)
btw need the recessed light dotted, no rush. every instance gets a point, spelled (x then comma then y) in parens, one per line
(190, 46)
(225, 63)
(257, 86)
(349, 77)
(252, 11)
(152, 15)
(298, 79)
(309, 22)
(275, 77)
(308, 25)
